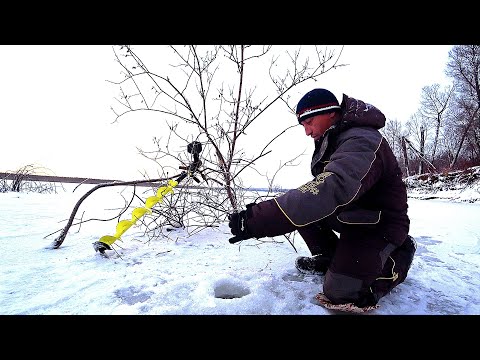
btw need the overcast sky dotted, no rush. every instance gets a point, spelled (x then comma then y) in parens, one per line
(55, 103)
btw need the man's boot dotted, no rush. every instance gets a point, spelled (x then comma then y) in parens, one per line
(321, 241)
(315, 265)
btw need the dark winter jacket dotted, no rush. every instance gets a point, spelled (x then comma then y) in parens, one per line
(357, 180)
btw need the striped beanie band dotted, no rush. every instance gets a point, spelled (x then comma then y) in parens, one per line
(315, 102)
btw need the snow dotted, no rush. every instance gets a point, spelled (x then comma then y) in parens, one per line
(203, 274)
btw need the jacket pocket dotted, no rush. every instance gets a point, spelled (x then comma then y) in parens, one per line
(360, 217)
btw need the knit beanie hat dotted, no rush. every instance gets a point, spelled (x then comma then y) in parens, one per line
(315, 102)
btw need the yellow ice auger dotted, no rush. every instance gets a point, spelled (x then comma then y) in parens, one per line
(105, 241)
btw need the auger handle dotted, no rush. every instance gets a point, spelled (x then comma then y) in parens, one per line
(194, 148)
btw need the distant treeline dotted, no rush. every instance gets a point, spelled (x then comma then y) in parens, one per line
(51, 178)
(82, 180)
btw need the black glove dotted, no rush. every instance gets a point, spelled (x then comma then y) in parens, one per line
(238, 224)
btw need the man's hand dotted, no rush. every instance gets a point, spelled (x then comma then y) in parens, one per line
(238, 225)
